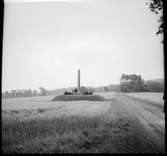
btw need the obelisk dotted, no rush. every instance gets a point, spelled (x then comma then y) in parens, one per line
(78, 81)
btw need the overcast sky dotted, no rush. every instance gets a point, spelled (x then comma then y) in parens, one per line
(45, 43)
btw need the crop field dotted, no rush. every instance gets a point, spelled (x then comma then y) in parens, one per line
(116, 125)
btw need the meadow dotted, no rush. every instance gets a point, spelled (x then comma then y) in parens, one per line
(152, 97)
(39, 125)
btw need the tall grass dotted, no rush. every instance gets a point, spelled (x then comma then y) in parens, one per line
(73, 134)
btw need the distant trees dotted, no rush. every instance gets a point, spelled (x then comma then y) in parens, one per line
(154, 86)
(109, 88)
(134, 83)
(25, 93)
(43, 91)
(106, 89)
(131, 83)
(128, 83)
(19, 93)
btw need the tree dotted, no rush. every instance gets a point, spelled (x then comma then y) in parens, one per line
(3, 95)
(153, 86)
(43, 91)
(30, 93)
(35, 92)
(106, 89)
(13, 93)
(131, 83)
(6, 94)
(156, 6)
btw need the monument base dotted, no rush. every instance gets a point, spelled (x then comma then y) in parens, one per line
(78, 98)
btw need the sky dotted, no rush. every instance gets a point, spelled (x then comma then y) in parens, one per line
(45, 43)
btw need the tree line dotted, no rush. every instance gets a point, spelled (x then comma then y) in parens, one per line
(131, 83)
(24, 93)
(128, 83)
(135, 83)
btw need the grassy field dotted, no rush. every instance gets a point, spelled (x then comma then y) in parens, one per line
(43, 107)
(150, 97)
(39, 125)
(75, 134)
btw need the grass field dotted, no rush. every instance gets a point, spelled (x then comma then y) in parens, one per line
(43, 107)
(65, 135)
(147, 96)
(39, 125)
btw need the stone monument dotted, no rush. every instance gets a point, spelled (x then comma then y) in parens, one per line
(78, 91)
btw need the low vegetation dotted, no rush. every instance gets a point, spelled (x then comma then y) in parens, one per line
(75, 134)
(38, 125)
(154, 98)
(128, 83)
(135, 83)
(78, 97)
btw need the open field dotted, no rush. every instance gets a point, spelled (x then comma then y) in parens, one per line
(151, 97)
(43, 107)
(120, 124)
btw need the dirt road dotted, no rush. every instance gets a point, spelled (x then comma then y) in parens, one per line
(146, 131)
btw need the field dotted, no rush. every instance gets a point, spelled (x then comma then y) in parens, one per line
(120, 124)
(150, 97)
